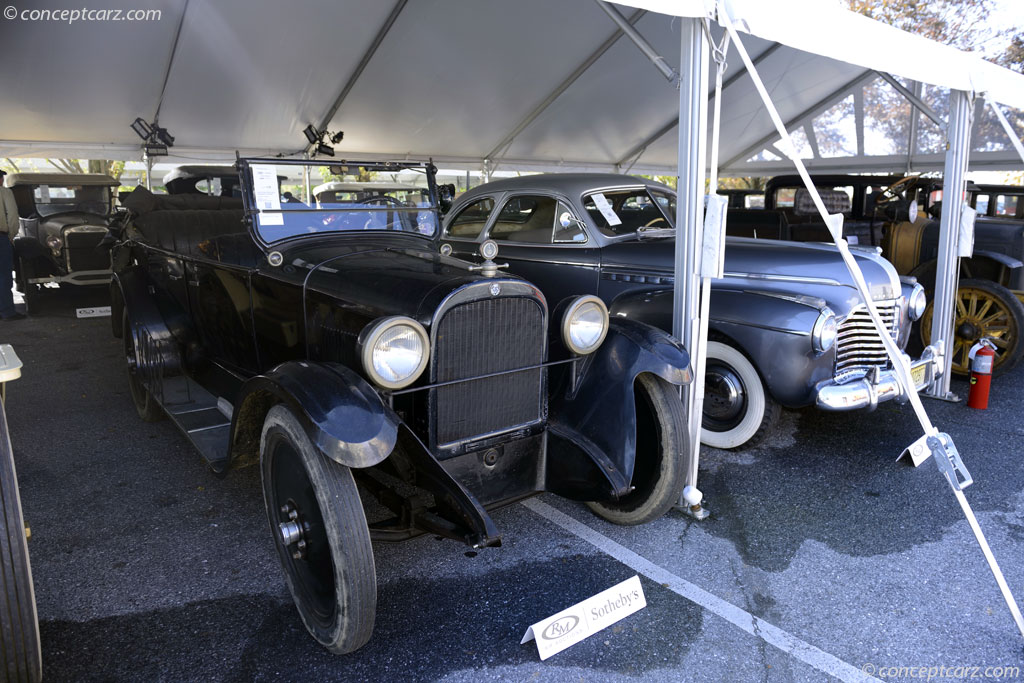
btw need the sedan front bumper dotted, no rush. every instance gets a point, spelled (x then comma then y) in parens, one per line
(877, 386)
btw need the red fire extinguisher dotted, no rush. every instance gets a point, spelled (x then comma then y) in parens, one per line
(981, 356)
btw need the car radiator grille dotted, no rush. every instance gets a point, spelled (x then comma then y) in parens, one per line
(83, 252)
(480, 338)
(858, 344)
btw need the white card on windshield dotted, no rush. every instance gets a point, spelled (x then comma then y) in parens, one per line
(586, 618)
(264, 191)
(601, 202)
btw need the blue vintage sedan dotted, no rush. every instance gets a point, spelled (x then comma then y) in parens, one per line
(787, 329)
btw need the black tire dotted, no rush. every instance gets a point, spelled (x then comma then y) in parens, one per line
(662, 454)
(20, 651)
(29, 292)
(334, 583)
(148, 407)
(738, 411)
(983, 309)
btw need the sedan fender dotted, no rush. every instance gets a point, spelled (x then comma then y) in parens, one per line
(593, 423)
(773, 329)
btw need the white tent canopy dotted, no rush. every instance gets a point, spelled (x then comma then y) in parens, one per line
(525, 85)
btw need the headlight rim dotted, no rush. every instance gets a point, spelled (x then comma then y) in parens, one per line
(912, 311)
(372, 333)
(574, 306)
(825, 315)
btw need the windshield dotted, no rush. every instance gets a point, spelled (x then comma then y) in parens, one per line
(355, 199)
(622, 212)
(53, 199)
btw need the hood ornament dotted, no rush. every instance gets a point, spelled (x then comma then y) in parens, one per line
(489, 249)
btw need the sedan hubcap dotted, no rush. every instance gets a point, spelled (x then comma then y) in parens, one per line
(724, 398)
(293, 532)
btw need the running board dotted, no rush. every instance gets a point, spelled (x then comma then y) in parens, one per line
(201, 417)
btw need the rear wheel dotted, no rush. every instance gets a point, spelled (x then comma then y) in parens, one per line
(147, 407)
(321, 535)
(20, 652)
(984, 309)
(29, 292)
(737, 409)
(662, 449)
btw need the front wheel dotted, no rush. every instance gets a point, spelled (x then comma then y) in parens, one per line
(20, 652)
(321, 535)
(737, 409)
(984, 309)
(662, 450)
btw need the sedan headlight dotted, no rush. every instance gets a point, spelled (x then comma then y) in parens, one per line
(54, 242)
(823, 336)
(917, 302)
(394, 351)
(585, 324)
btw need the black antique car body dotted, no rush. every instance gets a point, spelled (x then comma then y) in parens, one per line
(63, 220)
(787, 325)
(877, 211)
(337, 346)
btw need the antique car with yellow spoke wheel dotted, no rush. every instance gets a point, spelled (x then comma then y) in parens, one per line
(335, 347)
(984, 310)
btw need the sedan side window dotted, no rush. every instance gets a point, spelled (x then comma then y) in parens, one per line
(472, 219)
(533, 219)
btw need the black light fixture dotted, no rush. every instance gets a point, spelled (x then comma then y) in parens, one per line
(155, 149)
(325, 150)
(336, 138)
(312, 134)
(163, 136)
(141, 128)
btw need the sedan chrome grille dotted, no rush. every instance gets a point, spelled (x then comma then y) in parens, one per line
(858, 344)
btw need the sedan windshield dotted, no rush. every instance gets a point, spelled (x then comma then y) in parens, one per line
(54, 199)
(354, 199)
(625, 212)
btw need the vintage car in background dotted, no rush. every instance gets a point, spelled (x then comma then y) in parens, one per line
(900, 214)
(340, 193)
(743, 198)
(997, 201)
(63, 220)
(787, 325)
(215, 181)
(336, 352)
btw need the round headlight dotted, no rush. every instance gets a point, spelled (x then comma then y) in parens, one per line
(917, 303)
(53, 242)
(823, 336)
(585, 324)
(394, 351)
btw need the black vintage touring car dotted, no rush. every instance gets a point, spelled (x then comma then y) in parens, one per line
(335, 346)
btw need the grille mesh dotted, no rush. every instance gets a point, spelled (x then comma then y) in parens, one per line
(479, 338)
(83, 252)
(858, 344)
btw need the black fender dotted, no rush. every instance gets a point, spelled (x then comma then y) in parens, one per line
(592, 424)
(349, 422)
(984, 264)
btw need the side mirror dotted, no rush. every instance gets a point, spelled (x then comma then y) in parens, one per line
(566, 220)
(445, 197)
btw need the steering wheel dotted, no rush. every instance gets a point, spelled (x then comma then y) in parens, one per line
(384, 199)
(890, 193)
(656, 220)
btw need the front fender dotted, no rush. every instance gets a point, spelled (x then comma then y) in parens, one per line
(593, 422)
(344, 417)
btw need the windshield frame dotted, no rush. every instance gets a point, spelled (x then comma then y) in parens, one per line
(252, 212)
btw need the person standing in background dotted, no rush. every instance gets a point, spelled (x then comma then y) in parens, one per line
(9, 226)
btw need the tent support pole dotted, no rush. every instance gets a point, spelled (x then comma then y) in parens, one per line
(912, 133)
(914, 97)
(1010, 132)
(305, 182)
(149, 170)
(693, 124)
(947, 268)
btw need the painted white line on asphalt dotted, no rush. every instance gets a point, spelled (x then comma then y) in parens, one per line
(773, 635)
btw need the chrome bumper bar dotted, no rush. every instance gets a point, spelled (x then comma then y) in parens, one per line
(78, 277)
(877, 385)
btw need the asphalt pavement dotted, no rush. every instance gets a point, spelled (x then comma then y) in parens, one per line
(823, 557)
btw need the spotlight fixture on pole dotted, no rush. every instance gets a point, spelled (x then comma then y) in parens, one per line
(155, 140)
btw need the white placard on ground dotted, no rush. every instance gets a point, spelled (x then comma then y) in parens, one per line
(93, 312)
(586, 618)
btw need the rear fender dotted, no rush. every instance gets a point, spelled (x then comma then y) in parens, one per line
(593, 423)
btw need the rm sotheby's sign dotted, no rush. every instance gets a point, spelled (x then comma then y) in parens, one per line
(572, 625)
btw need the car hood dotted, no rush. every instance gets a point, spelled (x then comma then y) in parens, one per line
(375, 280)
(798, 267)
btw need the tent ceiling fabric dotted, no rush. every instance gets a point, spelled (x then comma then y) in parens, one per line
(451, 79)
